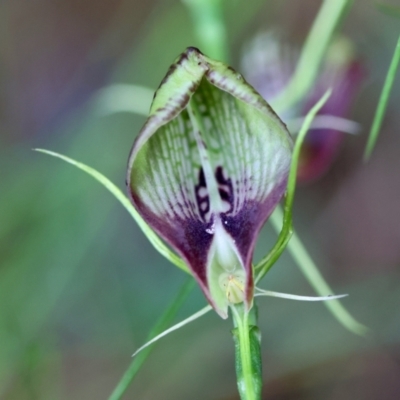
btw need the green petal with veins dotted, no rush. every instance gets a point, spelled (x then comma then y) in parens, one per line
(207, 169)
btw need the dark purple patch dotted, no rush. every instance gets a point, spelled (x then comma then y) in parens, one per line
(225, 187)
(203, 202)
(188, 237)
(197, 242)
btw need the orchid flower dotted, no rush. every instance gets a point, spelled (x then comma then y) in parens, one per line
(207, 169)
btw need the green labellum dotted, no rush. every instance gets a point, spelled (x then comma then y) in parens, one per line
(206, 171)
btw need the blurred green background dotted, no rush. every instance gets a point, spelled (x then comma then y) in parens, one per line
(80, 286)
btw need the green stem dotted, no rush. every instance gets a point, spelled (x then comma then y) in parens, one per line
(161, 325)
(209, 26)
(247, 340)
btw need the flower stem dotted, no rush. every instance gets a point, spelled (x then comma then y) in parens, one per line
(247, 338)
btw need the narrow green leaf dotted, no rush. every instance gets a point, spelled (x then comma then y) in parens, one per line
(383, 101)
(162, 323)
(117, 193)
(291, 187)
(312, 53)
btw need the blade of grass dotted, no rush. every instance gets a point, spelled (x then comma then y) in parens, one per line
(161, 325)
(383, 101)
(117, 193)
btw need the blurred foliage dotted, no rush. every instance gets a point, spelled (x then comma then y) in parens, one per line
(393, 11)
(80, 286)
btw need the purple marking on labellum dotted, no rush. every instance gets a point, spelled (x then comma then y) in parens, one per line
(203, 201)
(189, 237)
(225, 187)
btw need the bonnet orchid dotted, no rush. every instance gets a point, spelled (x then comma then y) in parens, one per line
(207, 169)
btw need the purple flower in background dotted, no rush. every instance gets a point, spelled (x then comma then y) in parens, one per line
(269, 64)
